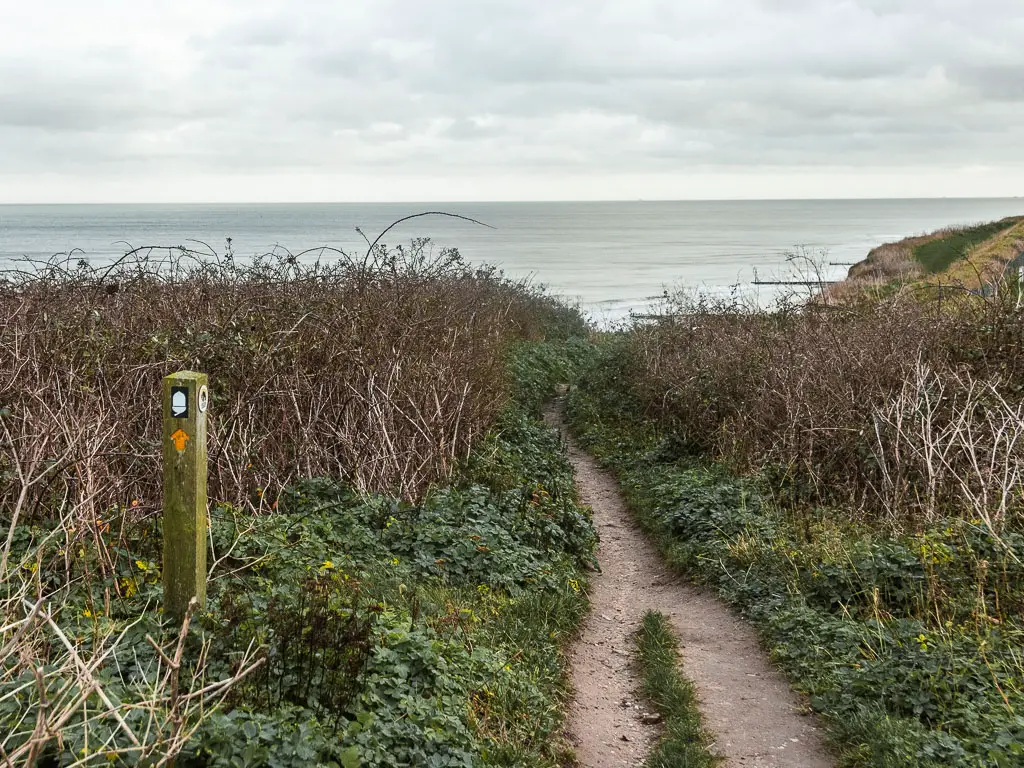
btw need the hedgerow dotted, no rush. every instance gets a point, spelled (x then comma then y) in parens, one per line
(397, 553)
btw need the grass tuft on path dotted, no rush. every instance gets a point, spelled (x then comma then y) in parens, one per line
(684, 743)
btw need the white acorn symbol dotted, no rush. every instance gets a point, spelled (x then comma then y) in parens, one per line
(179, 403)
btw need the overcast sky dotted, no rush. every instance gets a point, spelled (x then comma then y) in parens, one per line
(267, 100)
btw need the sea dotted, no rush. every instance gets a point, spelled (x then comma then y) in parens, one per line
(612, 258)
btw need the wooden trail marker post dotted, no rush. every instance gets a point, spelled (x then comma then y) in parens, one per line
(185, 401)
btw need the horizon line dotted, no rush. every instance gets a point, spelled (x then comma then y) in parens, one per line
(520, 201)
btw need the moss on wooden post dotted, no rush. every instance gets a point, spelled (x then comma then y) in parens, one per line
(185, 401)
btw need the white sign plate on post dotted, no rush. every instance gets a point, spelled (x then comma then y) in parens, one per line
(179, 402)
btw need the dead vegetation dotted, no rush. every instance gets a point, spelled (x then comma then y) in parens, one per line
(380, 372)
(906, 408)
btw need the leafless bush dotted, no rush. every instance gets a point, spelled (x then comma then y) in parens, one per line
(832, 399)
(381, 371)
(948, 441)
(888, 262)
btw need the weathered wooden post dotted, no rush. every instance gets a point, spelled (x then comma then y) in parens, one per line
(186, 398)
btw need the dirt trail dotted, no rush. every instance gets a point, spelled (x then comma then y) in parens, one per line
(754, 717)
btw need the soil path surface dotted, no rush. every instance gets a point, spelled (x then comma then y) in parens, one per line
(755, 719)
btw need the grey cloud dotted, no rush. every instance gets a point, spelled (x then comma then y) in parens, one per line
(502, 86)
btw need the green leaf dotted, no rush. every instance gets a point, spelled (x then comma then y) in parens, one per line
(350, 758)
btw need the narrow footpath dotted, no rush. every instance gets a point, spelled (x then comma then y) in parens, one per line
(755, 719)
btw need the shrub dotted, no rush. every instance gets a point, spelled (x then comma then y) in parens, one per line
(899, 407)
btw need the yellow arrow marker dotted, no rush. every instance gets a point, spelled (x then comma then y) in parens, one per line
(179, 439)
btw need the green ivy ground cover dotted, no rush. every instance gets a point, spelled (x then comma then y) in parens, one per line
(394, 634)
(912, 658)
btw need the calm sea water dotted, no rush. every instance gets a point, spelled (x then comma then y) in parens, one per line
(611, 257)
